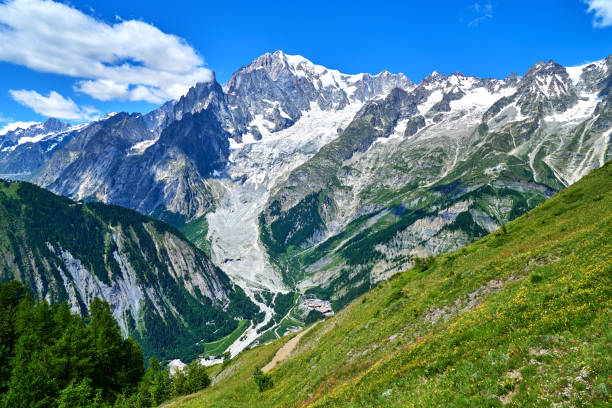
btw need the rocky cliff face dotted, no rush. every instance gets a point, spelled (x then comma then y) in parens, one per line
(117, 161)
(162, 289)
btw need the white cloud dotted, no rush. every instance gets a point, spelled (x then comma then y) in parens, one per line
(16, 125)
(603, 12)
(483, 11)
(127, 60)
(54, 105)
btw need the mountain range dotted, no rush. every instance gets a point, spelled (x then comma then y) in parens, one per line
(296, 178)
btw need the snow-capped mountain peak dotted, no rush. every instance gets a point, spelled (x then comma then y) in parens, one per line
(276, 89)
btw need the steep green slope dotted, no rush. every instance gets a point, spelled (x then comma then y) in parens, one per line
(163, 290)
(521, 317)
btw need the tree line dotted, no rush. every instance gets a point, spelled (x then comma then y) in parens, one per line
(51, 357)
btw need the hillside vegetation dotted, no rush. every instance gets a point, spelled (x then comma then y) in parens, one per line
(50, 357)
(163, 290)
(519, 318)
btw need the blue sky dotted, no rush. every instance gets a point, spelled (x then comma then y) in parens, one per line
(81, 59)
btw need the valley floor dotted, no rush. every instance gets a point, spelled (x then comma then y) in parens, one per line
(233, 229)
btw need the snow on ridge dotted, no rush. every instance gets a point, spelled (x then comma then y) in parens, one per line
(435, 97)
(327, 77)
(323, 76)
(455, 81)
(41, 137)
(577, 113)
(576, 71)
(299, 62)
(34, 139)
(18, 126)
(480, 97)
(296, 60)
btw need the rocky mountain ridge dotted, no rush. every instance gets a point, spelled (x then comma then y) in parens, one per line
(263, 98)
(430, 169)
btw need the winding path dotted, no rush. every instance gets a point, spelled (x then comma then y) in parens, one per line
(284, 351)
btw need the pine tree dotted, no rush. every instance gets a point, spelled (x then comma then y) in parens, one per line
(197, 378)
(161, 388)
(131, 369)
(11, 294)
(80, 395)
(51, 358)
(72, 352)
(105, 337)
(31, 385)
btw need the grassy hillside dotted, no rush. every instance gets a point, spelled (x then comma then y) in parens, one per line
(519, 318)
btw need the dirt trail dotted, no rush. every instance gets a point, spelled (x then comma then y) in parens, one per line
(284, 351)
(178, 401)
(280, 355)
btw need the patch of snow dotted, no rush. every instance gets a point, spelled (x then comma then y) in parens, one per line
(398, 133)
(322, 76)
(354, 78)
(234, 144)
(574, 73)
(480, 97)
(264, 126)
(140, 147)
(283, 113)
(435, 97)
(34, 139)
(577, 113)
(296, 60)
(46, 136)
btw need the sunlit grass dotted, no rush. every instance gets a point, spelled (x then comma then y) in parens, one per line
(520, 318)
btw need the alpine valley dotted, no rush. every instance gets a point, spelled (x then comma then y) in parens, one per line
(292, 180)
